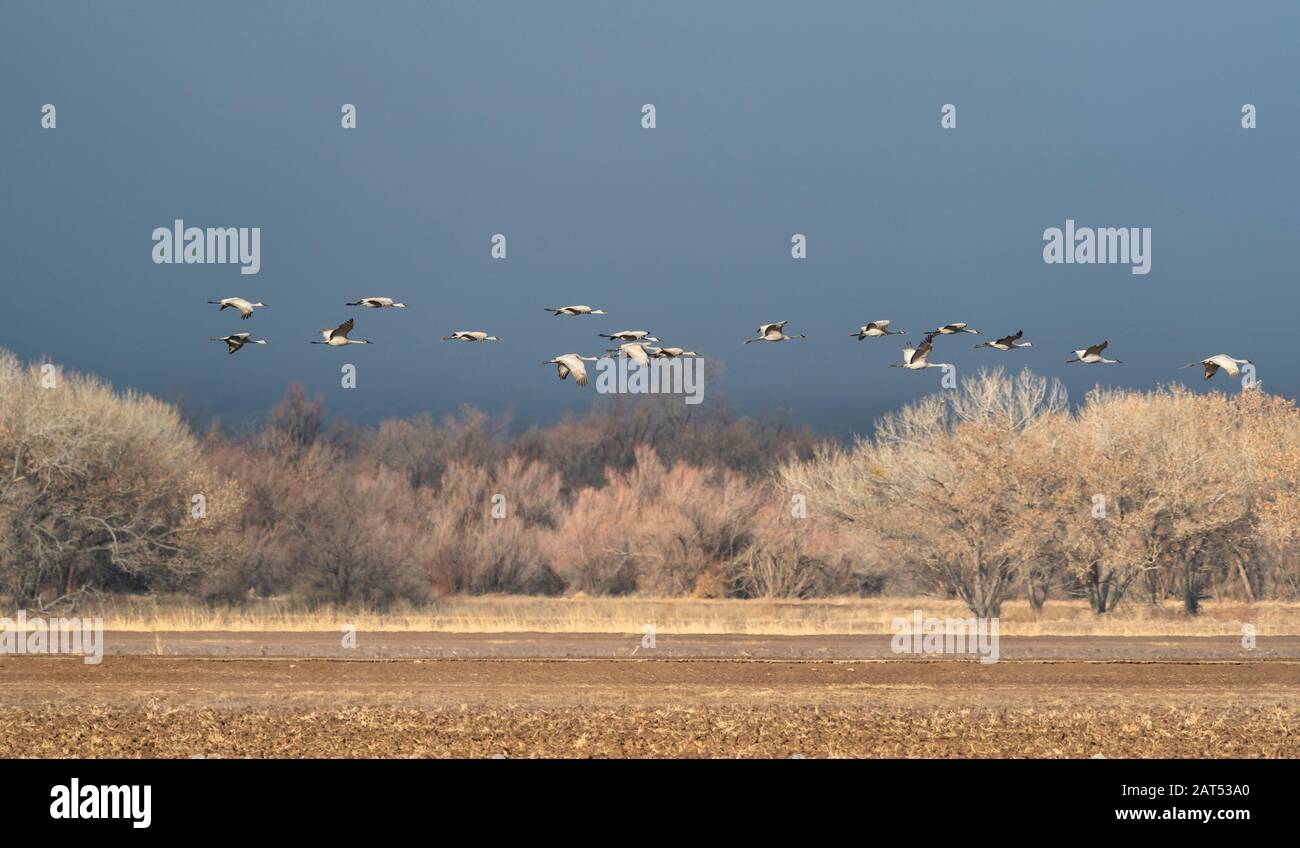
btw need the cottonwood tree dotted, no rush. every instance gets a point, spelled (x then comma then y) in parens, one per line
(942, 481)
(97, 490)
(1270, 441)
(1038, 529)
(1104, 486)
(1180, 492)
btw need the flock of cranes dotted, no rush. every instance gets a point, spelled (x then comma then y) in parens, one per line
(636, 344)
(917, 358)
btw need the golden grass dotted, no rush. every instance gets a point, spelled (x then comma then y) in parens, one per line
(520, 614)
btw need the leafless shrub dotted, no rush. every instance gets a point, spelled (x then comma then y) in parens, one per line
(798, 558)
(423, 450)
(475, 551)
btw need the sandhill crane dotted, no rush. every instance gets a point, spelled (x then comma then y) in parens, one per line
(874, 329)
(1092, 356)
(952, 329)
(378, 303)
(245, 308)
(633, 351)
(1010, 342)
(918, 357)
(774, 332)
(580, 309)
(571, 363)
(470, 336)
(669, 352)
(1220, 360)
(338, 337)
(235, 341)
(629, 336)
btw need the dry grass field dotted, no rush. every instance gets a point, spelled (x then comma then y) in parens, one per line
(842, 616)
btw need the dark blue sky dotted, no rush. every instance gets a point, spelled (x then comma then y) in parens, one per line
(524, 119)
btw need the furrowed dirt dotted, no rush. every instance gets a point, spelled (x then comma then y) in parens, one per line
(182, 706)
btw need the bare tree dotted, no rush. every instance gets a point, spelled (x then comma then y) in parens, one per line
(99, 489)
(1162, 488)
(940, 481)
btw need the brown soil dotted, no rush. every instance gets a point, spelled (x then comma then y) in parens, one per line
(164, 706)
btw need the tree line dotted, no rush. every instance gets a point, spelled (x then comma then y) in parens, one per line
(995, 490)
